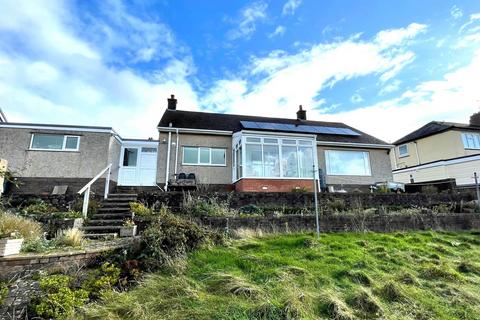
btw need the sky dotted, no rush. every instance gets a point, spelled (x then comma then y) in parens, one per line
(384, 67)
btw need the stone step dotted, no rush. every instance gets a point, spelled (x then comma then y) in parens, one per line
(113, 209)
(101, 228)
(103, 222)
(108, 204)
(101, 216)
(122, 195)
(110, 235)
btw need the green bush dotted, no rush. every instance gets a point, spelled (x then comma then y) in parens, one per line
(38, 245)
(211, 207)
(251, 209)
(169, 238)
(71, 214)
(39, 207)
(102, 279)
(58, 299)
(336, 205)
(139, 209)
(93, 206)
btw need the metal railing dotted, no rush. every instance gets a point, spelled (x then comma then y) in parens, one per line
(86, 188)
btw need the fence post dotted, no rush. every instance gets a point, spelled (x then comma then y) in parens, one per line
(86, 198)
(316, 201)
(477, 188)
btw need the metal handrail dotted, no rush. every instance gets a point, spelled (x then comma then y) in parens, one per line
(86, 188)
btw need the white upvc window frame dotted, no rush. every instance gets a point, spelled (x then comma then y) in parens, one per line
(240, 140)
(402, 155)
(64, 149)
(209, 164)
(327, 163)
(474, 138)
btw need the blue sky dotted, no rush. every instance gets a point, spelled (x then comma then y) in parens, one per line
(381, 66)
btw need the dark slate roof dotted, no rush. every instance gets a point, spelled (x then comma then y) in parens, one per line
(231, 122)
(433, 128)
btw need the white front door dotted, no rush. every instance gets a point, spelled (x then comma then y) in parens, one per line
(138, 165)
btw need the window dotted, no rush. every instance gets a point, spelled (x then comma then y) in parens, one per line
(351, 163)
(130, 157)
(471, 140)
(403, 150)
(54, 142)
(149, 150)
(204, 156)
(268, 157)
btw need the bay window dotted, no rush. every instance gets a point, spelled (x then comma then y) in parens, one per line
(273, 157)
(347, 163)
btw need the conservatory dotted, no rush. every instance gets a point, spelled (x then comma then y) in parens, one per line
(273, 156)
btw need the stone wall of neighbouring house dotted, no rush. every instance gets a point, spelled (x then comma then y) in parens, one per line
(345, 223)
(45, 185)
(302, 200)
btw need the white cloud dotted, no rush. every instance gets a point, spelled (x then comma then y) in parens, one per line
(453, 98)
(280, 30)
(59, 77)
(400, 36)
(287, 80)
(456, 12)
(291, 6)
(390, 87)
(249, 16)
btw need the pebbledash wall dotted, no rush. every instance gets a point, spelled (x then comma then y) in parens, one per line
(39, 171)
(220, 177)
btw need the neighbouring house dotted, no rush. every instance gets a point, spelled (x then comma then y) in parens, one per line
(223, 151)
(439, 151)
(249, 153)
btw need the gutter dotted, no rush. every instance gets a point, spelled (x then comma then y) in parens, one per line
(355, 145)
(198, 131)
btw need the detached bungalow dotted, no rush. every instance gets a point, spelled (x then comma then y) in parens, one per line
(222, 152)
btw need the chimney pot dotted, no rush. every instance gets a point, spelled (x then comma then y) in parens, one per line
(301, 114)
(172, 103)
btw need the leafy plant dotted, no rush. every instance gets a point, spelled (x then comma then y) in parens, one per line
(336, 205)
(212, 207)
(39, 207)
(128, 223)
(251, 209)
(102, 279)
(72, 237)
(59, 299)
(3, 292)
(71, 214)
(139, 209)
(38, 245)
(13, 224)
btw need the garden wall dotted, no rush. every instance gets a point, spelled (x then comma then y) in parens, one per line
(345, 223)
(302, 200)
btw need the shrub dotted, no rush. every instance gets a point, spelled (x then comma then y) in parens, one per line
(72, 237)
(39, 207)
(39, 245)
(102, 279)
(140, 209)
(198, 206)
(3, 292)
(169, 238)
(93, 206)
(58, 300)
(71, 214)
(251, 209)
(336, 205)
(29, 229)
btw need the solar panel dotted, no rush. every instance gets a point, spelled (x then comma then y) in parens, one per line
(286, 127)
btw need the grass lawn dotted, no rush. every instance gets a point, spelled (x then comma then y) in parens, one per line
(414, 275)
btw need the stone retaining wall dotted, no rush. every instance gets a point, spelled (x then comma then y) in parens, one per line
(344, 223)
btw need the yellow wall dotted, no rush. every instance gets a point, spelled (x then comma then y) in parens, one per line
(445, 145)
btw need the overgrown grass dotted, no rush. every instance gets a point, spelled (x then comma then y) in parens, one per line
(414, 275)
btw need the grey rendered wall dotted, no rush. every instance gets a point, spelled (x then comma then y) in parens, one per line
(114, 156)
(205, 174)
(379, 163)
(91, 158)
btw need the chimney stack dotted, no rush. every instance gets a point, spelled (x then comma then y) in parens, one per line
(475, 119)
(301, 114)
(172, 103)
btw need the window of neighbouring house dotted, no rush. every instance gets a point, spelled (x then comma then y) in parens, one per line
(273, 157)
(471, 140)
(347, 163)
(204, 156)
(403, 150)
(54, 142)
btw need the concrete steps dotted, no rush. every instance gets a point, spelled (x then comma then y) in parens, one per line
(109, 219)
